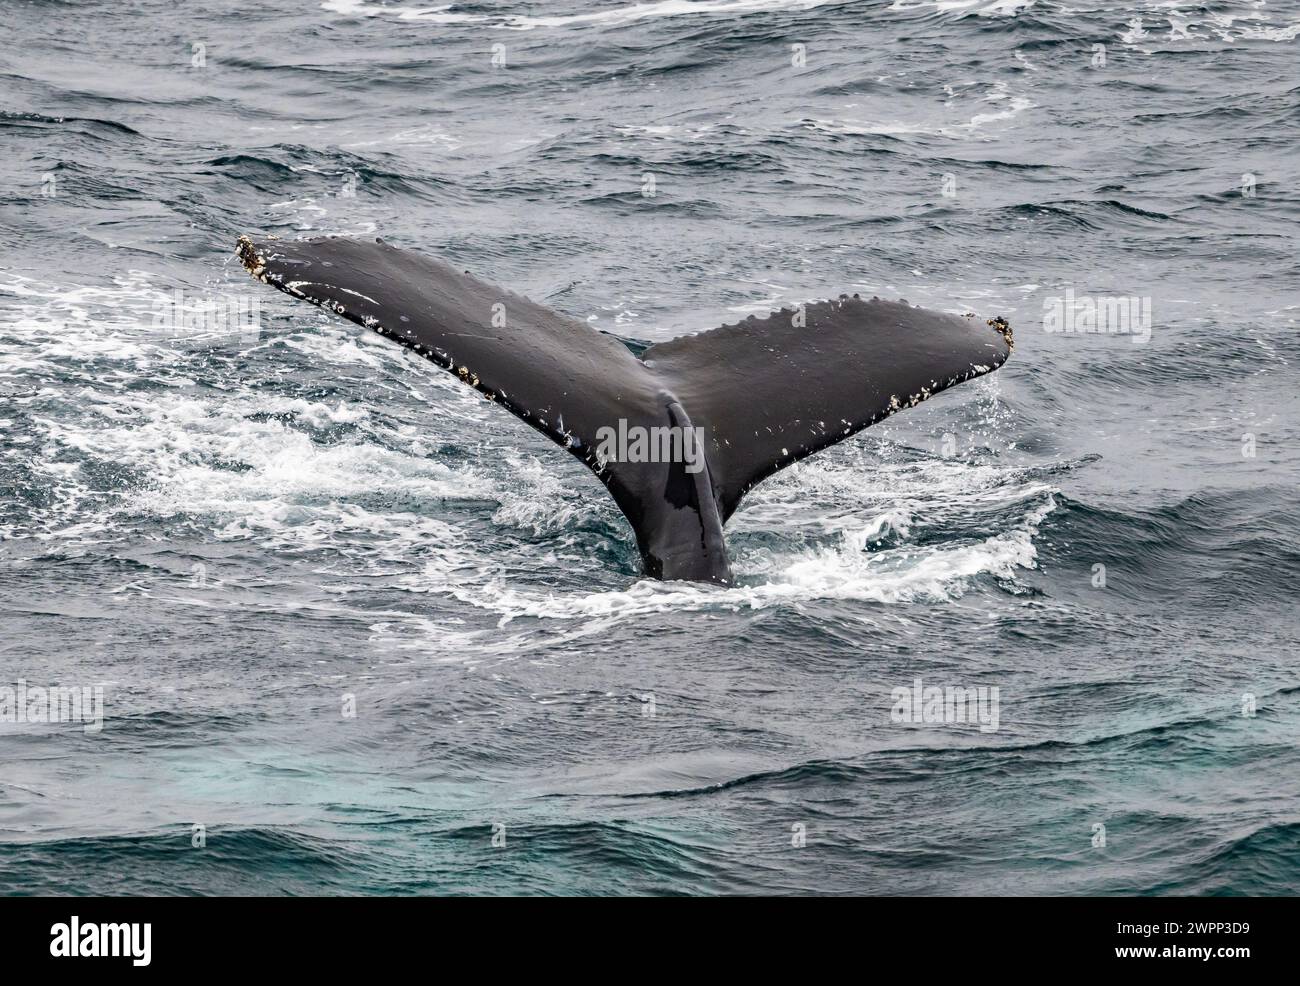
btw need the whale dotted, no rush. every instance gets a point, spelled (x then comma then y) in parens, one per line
(724, 408)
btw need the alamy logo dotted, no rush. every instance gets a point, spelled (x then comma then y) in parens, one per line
(931, 704)
(75, 940)
(1102, 314)
(635, 443)
(58, 703)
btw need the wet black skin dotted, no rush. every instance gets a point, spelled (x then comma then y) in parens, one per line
(766, 392)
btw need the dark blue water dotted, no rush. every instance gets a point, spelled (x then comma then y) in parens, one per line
(232, 534)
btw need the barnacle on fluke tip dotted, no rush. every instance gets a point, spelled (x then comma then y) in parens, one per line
(250, 258)
(1004, 327)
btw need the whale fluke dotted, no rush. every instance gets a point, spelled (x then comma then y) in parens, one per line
(761, 393)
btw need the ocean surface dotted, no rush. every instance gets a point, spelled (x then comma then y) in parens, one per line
(360, 632)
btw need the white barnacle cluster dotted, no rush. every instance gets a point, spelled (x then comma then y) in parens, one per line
(253, 261)
(1003, 328)
(976, 370)
(924, 394)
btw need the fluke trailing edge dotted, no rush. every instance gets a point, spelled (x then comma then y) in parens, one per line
(740, 402)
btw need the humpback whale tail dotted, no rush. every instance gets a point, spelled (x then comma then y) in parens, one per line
(729, 407)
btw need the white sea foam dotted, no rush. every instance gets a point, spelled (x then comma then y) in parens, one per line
(242, 454)
(846, 572)
(250, 461)
(540, 500)
(241, 458)
(840, 565)
(614, 16)
(1006, 106)
(981, 8)
(1164, 23)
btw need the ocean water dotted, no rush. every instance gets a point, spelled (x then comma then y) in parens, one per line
(374, 635)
